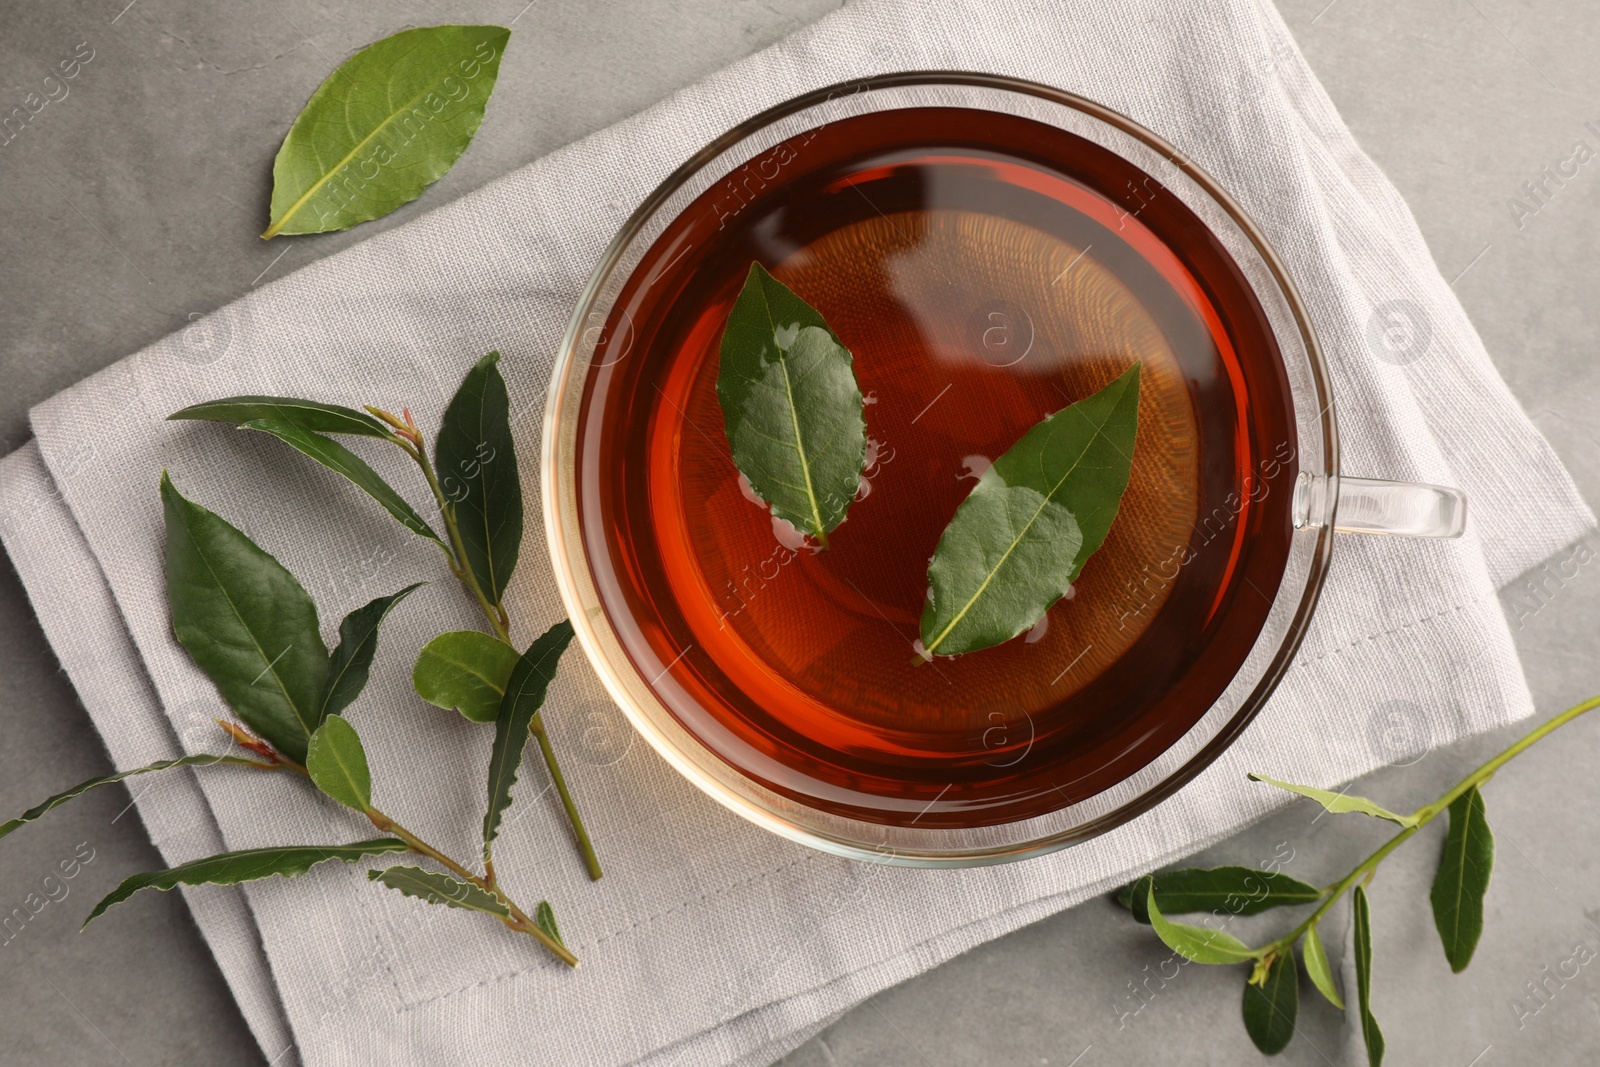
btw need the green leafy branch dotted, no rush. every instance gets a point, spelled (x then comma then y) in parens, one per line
(472, 476)
(253, 629)
(1271, 995)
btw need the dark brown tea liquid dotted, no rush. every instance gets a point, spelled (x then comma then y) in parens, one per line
(985, 271)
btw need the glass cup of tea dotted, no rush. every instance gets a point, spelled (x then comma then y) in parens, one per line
(990, 251)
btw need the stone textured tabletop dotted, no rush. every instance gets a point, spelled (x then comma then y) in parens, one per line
(131, 206)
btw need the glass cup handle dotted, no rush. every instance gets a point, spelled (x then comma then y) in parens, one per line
(1372, 505)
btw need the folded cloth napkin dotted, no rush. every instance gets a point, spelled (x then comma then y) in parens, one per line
(710, 941)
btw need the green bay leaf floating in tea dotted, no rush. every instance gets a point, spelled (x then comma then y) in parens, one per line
(791, 406)
(1020, 538)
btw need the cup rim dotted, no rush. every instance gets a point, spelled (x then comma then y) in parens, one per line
(561, 552)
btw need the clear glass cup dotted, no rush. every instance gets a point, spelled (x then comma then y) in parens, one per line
(1323, 501)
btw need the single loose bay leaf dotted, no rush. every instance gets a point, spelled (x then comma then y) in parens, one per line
(1270, 1008)
(307, 415)
(1197, 944)
(1370, 1033)
(1463, 879)
(109, 779)
(436, 888)
(466, 670)
(342, 461)
(477, 471)
(358, 643)
(1318, 970)
(246, 622)
(1235, 890)
(524, 697)
(388, 123)
(1021, 537)
(247, 865)
(338, 764)
(791, 406)
(1339, 803)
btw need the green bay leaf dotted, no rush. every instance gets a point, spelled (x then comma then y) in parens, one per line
(339, 459)
(1270, 1007)
(110, 779)
(1198, 944)
(1371, 1034)
(1339, 803)
(1021, 537)
(1235, 890)
(351, 661)
(1319, 970)
(308, 415)
(791, 406)
(466, 670)
(525, 694)
(338, 764)
(546, 918)
(246, 622)
(437, 888)
(389, 122)
(477, 472)
(246, 865)
(1463, 879)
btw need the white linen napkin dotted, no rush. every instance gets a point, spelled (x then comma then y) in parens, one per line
(710, 942)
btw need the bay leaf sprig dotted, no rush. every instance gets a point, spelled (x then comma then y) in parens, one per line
(472, 476)
(1270, 1001)
(233, 604)
(389, 122)
(791, 406)
(1021, 537)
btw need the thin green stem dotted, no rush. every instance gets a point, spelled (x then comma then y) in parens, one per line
(585, 846)
(1365, 867)
(419, 455)
(1485, 772)
(1426, 814)
(495, 613)
(518, 921)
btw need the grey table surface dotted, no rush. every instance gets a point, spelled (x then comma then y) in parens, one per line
(132, 205)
